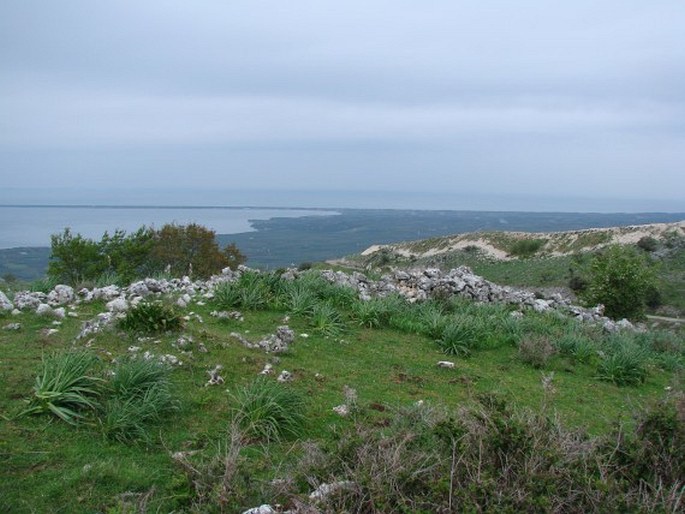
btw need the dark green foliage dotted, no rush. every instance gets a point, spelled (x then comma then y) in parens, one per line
(181, 249)
(620, 279)
(192, 250)
(139, 394)
(526, 247)
(151, 317)
(269, 411)
(648, 244)
(65, 386)
(75, 259)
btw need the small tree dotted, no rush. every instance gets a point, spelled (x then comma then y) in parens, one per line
(621, 279)
(192, 249)
(75, 259)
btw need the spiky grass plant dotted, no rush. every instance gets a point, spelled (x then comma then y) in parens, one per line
(298, 299)
(326, 320)
(268, 410)
(65, 386)
(459, 337)
(139, 395)
(624, 366)
(150, 317)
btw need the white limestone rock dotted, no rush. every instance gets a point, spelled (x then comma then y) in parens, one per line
(5, 304)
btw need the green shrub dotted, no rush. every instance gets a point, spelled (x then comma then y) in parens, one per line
(139, 394)
(536, 351)
(268, 410)
(150, 317)
(65, 387)
(526, 247)
(620, 279)
(648, 244)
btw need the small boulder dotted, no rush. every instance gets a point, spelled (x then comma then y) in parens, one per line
(5, 304)
(61, 294)
(117, 305)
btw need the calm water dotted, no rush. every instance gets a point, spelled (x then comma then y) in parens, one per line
(33, 226)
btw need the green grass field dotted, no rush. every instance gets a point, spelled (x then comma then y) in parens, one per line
(52, 466)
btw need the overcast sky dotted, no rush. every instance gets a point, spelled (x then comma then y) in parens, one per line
(546, 98)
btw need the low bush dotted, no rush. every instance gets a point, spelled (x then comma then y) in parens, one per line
(526, 247)
(536, 350)
(269, 411)
(151, 317)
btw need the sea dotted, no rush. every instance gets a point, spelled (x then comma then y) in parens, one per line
(29, 216)
(32, 225)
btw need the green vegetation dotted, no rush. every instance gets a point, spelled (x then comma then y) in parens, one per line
(176, 249)
(269, 411)
(531, 413)
(620, 279)
(138, 395)
(151, 317)
(64, 386)
(526, 247)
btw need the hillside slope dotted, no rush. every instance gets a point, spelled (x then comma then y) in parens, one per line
(501, 245)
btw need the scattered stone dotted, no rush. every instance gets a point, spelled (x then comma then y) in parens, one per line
(12, 326)
(5, 304)
(72, 314)
(201, 347)
(117, 305)
(285, 376)
(446, 364)
(325, 490)
(59, 313)
(171, 360)
(44, 309)
(61, 294)
(227, 315)
(262, 509)
(268, 369)
(16, 312)
(49, 331)
(214, 377)
(183, 342)
(25, 300)
(342, 410)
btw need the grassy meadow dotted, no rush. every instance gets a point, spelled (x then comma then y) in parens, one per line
(549, 412)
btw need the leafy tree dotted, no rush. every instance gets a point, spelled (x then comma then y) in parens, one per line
(75, 259)
(189, 249)
(192, 249)
(621, 279)
(128, 256)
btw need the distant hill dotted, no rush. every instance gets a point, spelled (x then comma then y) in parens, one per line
(506, 245)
